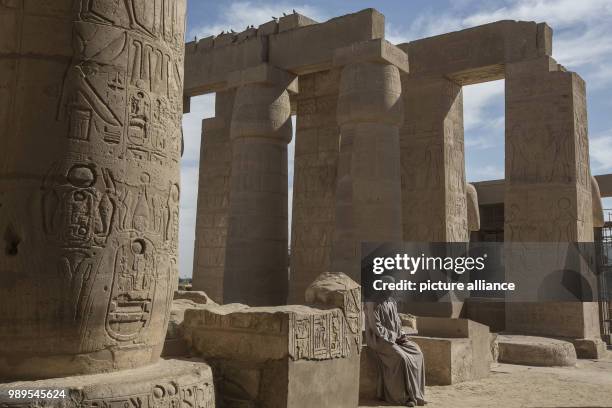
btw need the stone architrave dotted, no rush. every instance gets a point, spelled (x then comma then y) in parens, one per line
(433, 161)
(92, 96)
(314, 182)
(548, 185)
(213, 198)
(370, 111)
(256, 259)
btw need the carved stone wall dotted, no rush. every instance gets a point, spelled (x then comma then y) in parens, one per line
(314, 182)
(213, 198)
(91, 106)
(433, 161)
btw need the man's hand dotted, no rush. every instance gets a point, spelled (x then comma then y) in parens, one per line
(401, 340)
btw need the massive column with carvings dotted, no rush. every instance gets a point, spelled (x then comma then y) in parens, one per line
(370, 112)
(90, 116)
(548, 187)
(433, 161)
(257, 244)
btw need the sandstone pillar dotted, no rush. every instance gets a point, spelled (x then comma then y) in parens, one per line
(548, 185)
(370, 111)
(314, 180)
(433, 161)
(90, 114)
(213, 198)
(257, 245)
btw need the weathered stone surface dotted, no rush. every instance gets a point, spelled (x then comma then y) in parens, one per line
(165, 384)
(89, 183)
(548, 195)
(479, 54)
(175, 344)
(536, 351)
(378, 50)
(455, 350)
(473, 212)
(434, 207)
(257, 241)
(368, 191)
(589, 348)
(284, 356)
(314, 181)
(213, 198)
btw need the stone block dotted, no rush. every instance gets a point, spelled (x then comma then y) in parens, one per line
(294, 20)
(479, 54)
(311, 48)
(455, 350)
(284, 356)
(488, 311)
(263, 74)
(535, 351)
(377, 50)
(166, 384)
(589, 348)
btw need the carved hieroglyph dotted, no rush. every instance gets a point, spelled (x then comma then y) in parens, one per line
(548, 186)
(166, 384)
(433, 161)
(89, 184)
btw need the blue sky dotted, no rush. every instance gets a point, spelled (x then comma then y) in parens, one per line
(582, 42)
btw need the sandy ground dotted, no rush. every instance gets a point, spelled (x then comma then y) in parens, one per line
(589, 384)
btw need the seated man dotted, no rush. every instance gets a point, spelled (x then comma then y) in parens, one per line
(403, 368)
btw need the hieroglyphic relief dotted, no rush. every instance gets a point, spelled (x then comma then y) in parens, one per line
(166, 395)
(104, 189)
(320, 336)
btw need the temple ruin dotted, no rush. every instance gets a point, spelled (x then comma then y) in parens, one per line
(91, 99)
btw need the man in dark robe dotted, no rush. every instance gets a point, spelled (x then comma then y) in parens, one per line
(400, 360)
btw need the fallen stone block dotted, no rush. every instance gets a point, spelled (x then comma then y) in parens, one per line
(284, 356)
(535, 351)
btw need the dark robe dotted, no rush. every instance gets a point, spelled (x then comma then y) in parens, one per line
(402, 366)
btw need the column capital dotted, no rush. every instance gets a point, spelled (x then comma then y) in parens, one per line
(263, 74)
(379, 51)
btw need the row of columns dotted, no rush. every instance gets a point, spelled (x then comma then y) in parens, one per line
(254, 263)
(399, 174)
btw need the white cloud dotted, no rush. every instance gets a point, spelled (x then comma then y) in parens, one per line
(238, 15)
(487, 172)
(477, 103)
(601, 153)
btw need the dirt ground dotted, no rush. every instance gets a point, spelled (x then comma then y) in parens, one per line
(589, 384)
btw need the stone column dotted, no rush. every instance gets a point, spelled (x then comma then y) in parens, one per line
(548, 185)
(370, 111)
(90, 116)
(213, 198)
(314, 181)
(256, 260)
(433, 161)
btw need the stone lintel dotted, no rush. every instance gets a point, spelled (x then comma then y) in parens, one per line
(294, 20)
(479, 54)
(263, 74)
(300, 46)
(377, 50)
